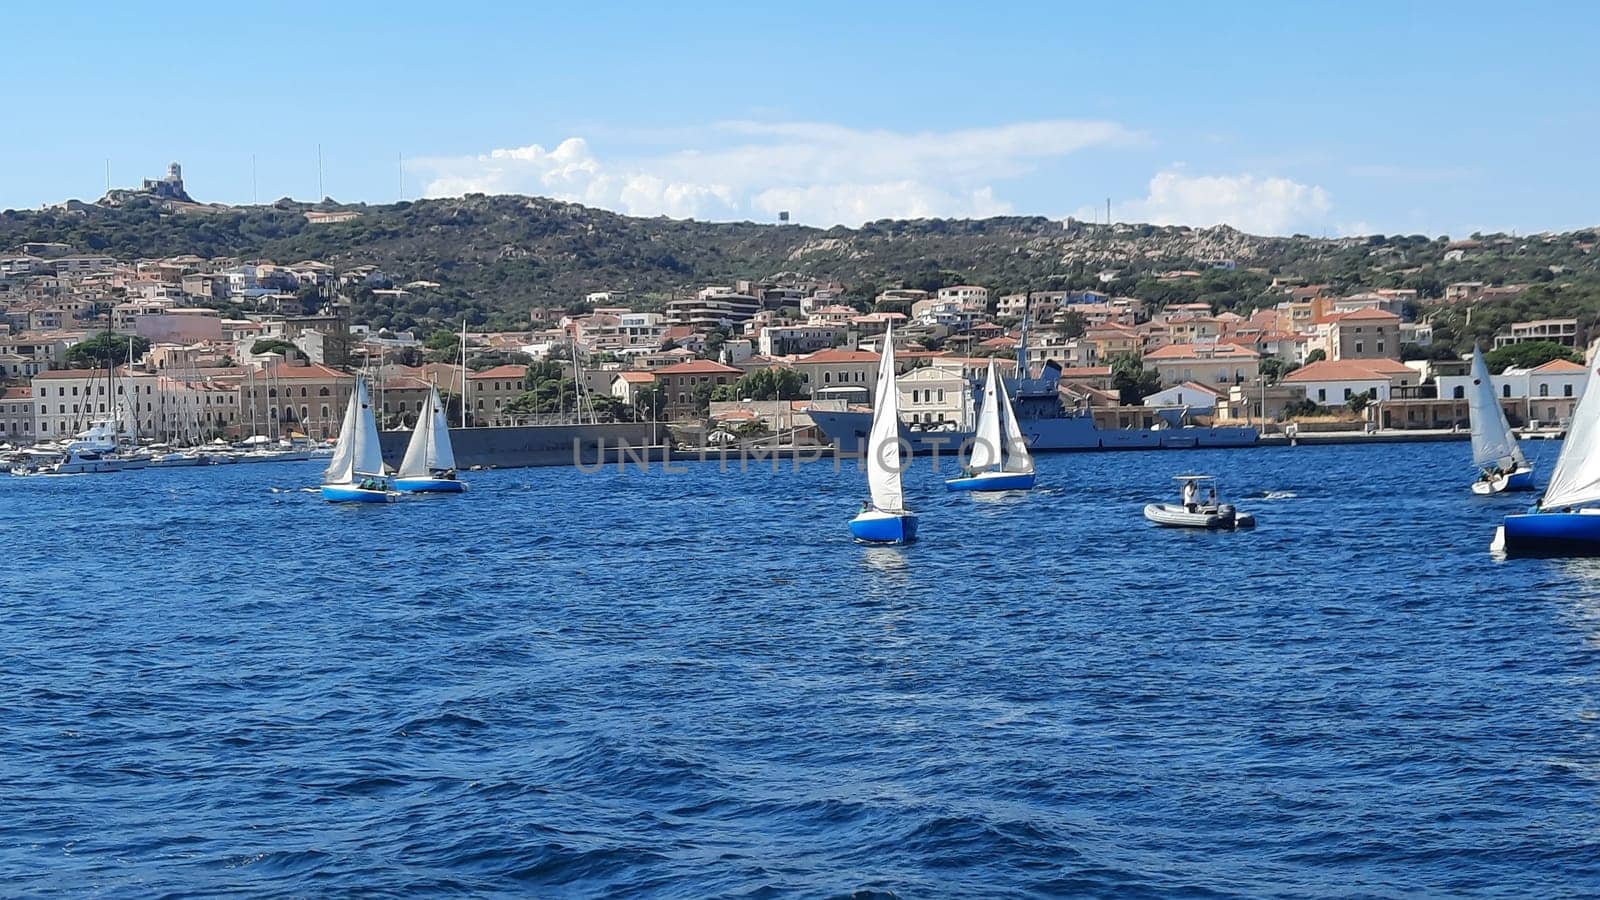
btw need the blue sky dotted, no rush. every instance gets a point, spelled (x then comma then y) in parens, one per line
(1277, 118)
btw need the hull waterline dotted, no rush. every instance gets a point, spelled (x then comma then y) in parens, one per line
(1551, 534)
(884, 528)
(995, 481)
(429, 485)
(349, 493)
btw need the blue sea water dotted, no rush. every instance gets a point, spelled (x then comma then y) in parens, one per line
(693, 684)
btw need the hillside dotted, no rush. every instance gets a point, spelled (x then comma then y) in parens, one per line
(494, 257)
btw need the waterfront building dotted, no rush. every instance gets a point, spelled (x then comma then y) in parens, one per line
(682, 383)
(1196, 397)
(852, 374)
(1335, 382)
(16, 415)
(490, 391)
(932, 395)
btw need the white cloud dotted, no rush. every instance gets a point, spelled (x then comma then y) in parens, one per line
(1247, 202)
(824, 174)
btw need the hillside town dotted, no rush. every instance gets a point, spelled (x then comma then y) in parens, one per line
(231, 348)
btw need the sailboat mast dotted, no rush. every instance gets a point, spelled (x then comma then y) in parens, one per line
(463, 368)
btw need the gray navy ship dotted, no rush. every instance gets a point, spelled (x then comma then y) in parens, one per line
(1047, 424)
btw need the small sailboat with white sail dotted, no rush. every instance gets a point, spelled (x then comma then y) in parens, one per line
(1501, 465)
(429, 465)
(1566, 520)
(884, 519)
(355, 474)
(999, 460)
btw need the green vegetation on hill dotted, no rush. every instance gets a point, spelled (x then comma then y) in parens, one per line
(495, 257)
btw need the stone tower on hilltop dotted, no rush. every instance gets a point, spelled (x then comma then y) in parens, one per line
(168, 188)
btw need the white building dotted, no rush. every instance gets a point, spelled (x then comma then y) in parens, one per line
(1333, 382)
(1195, 397)
(973, 299)
(932, 395)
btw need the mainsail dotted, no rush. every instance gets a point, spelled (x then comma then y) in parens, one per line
(367, 453)
(1492, 441)
(883, 443)
(1576, 479)
(429, 450)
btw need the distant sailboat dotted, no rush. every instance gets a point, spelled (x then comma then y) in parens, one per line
(885, 520)
(355, 474)
(1495, 452)
(1566, 520)
(429, 465)
(996, 463)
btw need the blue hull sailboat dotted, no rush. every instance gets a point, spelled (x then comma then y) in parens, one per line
(996, 463)
(355, 474)
(1501, 465)
(429, 466)
(885, 520)
(1566, 520)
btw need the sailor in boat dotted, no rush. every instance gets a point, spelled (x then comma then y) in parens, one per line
(1191, 493)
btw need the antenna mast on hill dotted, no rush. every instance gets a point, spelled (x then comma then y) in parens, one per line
(1108, 212)
(108, 174)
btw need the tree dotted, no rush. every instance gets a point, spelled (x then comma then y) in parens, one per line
(770, 384)
(271, 345)
(1273, 368)
(1316, 356)
(1359, 402)
(1527, 355)
(1132, 380)
(702, 398)
(1071, 323)
(105, 349)
(442, 340)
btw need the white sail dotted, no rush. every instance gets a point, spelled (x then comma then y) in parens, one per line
(1018, 459)
(367, 452)
(986, 445)
(883, 443)
(1576, 479)
(1492, 440)
(429, 450)
(415, 462)
(442, 453)
(340, 469)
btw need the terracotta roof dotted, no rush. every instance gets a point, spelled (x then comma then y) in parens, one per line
(1197, 386)
(314, 370)
(501, 372)
(1346, 370)
(1086, 372)
(1559, 367)
(838, 355)
(1368, 313)
(636, 377)
(1201, 351)
(16, 393)
(699, 367)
